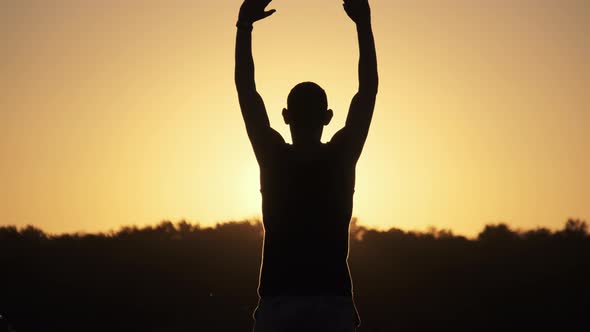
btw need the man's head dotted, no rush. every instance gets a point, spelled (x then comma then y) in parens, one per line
(307, 112)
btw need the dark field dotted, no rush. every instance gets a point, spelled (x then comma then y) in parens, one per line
(186, 278)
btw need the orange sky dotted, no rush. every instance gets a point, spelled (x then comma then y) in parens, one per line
(124, 112)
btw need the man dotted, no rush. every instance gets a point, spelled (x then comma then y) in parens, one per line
(307, 187)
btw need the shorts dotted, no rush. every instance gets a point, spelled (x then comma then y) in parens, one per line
(306, 313)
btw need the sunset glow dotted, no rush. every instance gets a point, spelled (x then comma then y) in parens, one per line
(125, 112)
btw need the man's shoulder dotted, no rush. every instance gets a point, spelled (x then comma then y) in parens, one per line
(337, 150)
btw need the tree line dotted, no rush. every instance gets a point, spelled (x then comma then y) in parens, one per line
(184, 277)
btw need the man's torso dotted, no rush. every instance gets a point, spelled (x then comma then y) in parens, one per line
(307, 205)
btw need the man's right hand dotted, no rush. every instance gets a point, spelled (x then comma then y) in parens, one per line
(358, 10)
(254, 10)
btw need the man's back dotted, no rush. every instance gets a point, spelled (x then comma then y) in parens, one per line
(307, 205)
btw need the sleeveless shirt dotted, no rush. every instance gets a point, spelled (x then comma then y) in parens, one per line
(307, 203)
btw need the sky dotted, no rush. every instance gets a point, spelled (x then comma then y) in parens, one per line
(124, 112)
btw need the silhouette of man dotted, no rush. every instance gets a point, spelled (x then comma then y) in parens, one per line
(307, 187)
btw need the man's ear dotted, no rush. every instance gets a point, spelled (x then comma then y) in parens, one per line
(286, 116)
(328, 117)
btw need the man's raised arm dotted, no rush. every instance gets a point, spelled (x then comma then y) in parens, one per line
(355, 132)
(251, 104)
